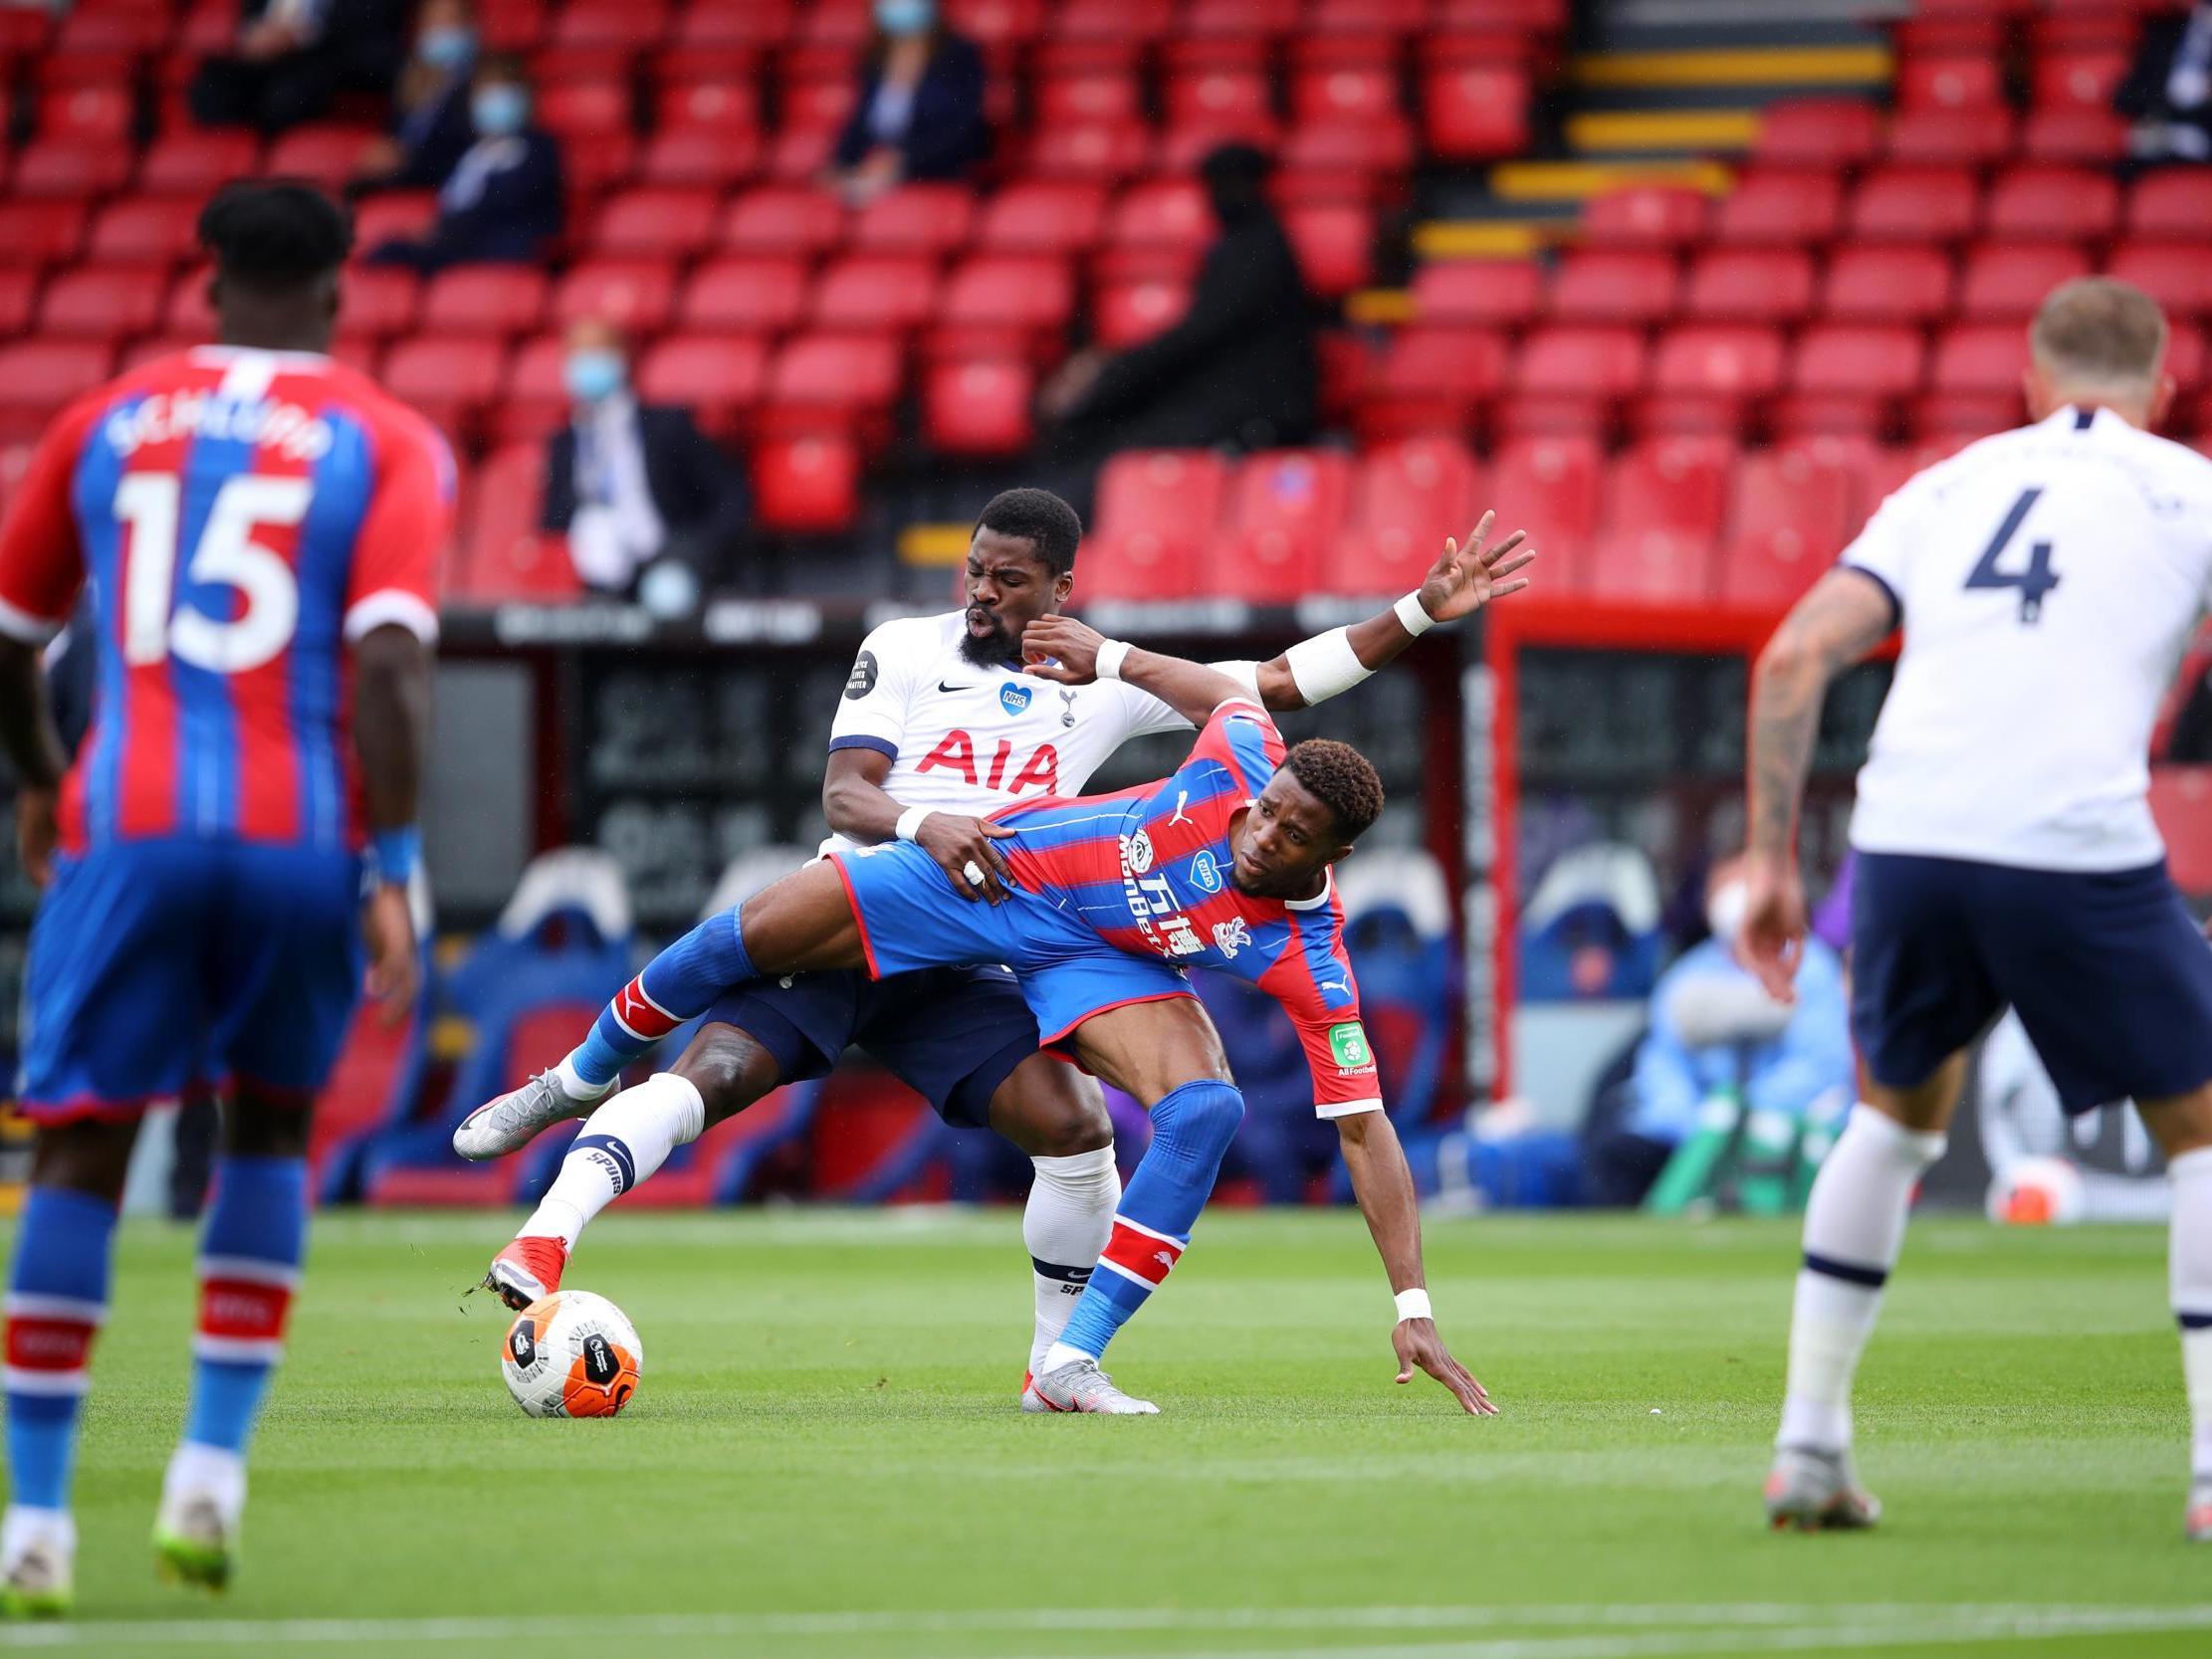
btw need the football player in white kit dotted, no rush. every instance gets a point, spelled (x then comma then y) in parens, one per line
(2047, 581)
(938, 725)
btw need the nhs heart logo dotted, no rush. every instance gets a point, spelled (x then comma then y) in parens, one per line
(1014, 699)
(1206, 875)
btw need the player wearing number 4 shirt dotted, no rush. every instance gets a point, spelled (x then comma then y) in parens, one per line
(259, 528)
(2047, 580)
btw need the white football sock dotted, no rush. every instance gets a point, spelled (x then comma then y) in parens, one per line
(622, 1145)
(1069, 1217)
(2189, 1272)
(213, 1470)
(24, 1524)
(566, 1080)
(1854, 1228)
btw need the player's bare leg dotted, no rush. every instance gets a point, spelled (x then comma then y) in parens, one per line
(2182, 1126)
(1854, 1224)
(57, 1292)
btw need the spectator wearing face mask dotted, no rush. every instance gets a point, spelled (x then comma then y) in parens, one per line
(1716, 1035)
(503, 201)
(650, 506)
(920, 112)
(430, 125)
(292, 57)
(1239, 368)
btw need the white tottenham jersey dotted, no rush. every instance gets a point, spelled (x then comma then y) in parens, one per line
(2048, 580)
(967, 738)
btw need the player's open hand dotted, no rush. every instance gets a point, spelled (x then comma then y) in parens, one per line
(395, 962)
(1772, 942)
(1061, 648)
(34, 833)
(1470, 575)
(1420, 1348)
(965, 845)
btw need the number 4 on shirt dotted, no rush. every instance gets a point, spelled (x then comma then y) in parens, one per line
(2032, 583)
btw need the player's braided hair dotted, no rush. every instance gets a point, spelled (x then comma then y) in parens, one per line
(275, 234)
(1049, 524)
(1339, 777)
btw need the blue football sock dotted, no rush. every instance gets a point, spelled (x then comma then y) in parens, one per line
(1192, 1128)
(680, 983)
(57, 1298)
(250, 1254)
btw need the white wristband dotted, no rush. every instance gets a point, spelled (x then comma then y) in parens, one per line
(910, 823)
(1413, 1305)
(1111, 655)
(1325, 665)
(1413, 616)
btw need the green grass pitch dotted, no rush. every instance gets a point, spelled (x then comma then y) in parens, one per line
(825, 1459)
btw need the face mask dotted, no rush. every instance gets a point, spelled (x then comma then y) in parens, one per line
(499, 111)
(446, 48)
(1725, 910)
(905, 17)
(593, 376)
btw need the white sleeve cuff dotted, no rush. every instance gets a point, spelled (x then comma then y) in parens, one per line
(1346, 1109)
(391, 607)
(20, 625)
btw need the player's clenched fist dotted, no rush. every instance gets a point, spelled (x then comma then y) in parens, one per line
(965, 847)
(1419, 1347)
(1061, 648)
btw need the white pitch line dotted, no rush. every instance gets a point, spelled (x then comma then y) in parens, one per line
(1756, 1626)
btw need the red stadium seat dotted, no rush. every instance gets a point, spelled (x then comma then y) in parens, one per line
(2064, 204)
(591, 171)
(625, 25)
(450, 380)
(1548, 487)
(485, 300)
(656, 224)
(1348, 90)
(2013, 279)
(1106, 93)
(869, 292)
(836, 373)
(1407, 498)
(1216, 94)
(1980, 357)
(720, 104)
(1951, 82)
(783, 220)
(393, 214)
(188, 313)
(1568, 381)
(1286, 508)
(1042, 218)
(40, 233)
(534, 401)
(700, 157)
(995, 23)
(189, 163)
(1750, 284)
(816, 106)
(2077, 80)
(1825, 132)
(1030, 295)
(1475, 112)
(324, 151)
(1342, 160)
(1644, 216)
(1103, 152)
(37, 377)
(144, 231)
(718, 379)
(1847, 377)
(1335, 244)
(99, 304)
(2181, 803)
(806, 483)
(1240, 17)
(1780, 209)
(1915, 204)
(1430, 378)
(578, 112)
(933, 219)
(1949, 137)
(1887, 285)
(88, 115)
(64, 169)
(1706, 378)
(2173, 203)
(19, 293)
(506, 556)
(1165, 213)
(1790, 516)
(1627, 287)
(377, 301)
(745, 295)
(2074, 138)
(1155, 524)
(978, 406)
(1129, 312)
(2175, 273)
(1665, 501)
(1381, 17)
(1498, 294)
(636, 295)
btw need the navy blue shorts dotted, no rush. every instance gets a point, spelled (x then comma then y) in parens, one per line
(951, 1034)
(2111, 977)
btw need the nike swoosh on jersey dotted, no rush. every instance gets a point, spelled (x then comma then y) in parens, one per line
(943, 686)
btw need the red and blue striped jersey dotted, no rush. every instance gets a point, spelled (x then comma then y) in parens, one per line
(1149, 870)
(243, 518)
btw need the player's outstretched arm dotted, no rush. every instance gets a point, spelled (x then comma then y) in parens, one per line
(34, 750)
(1846, 615)
(1383, 1186)
(1074, 653)
(391, 719)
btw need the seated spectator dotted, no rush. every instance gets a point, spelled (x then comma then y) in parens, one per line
(430, 125)
(920, 112)
(1715, 1035)
(503, 201)
(1239, 368)
(2168, 88)
(652, 509)
(292, 57)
